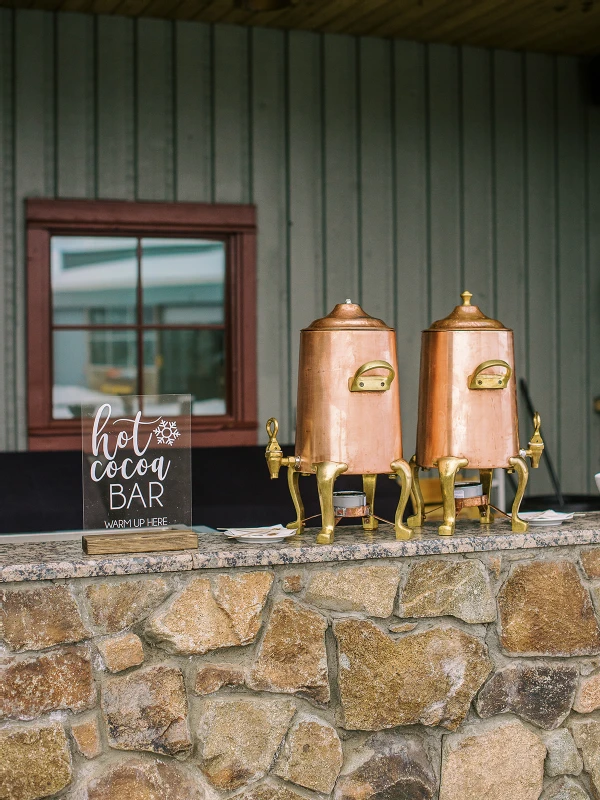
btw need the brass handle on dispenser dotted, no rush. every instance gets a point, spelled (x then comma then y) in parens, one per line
(274, 454)
(372, 383)
(494, 381)
(536, 444)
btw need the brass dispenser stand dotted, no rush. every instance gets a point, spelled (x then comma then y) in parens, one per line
(468, 412)
(346, 380)
(326, 473)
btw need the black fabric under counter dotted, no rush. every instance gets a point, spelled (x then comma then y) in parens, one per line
(41, 491)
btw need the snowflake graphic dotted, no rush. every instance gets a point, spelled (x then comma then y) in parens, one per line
(167, 432)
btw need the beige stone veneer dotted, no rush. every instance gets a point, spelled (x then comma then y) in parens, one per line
(447, 677)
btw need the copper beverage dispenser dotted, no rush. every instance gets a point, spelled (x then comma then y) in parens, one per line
(468, 411)
(348, 415)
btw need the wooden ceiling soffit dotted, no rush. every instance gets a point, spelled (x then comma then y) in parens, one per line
(552, 26)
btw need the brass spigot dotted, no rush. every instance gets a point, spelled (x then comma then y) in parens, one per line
(536, 445)
(274, 454)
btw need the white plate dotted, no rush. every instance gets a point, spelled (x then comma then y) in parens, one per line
(262, 539)
(272, 533)
(545, 519)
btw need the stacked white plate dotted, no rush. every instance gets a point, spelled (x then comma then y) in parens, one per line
(545, 519)
(270, 533)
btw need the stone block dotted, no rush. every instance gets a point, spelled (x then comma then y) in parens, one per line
(311, 756)
(34, 619)
(588, 665)
(590, 562)
(292, 657)
(147, 710)
(587, 698)
(192, 623)
(563, 757)
(268, 791)
(371, 589)
(493, 762)
(586, 733)
(393, 766)
(564, 789)
(54, 681)
(239, 738)
(87, 737)
(541, 694)
(438, 588)
(144, 780)
(121, 651)
(199, 619)
(34, 761)
(116, 606)
(212, 677)
(495, 565)
(546, 610)
(429, 677)
(292, 583)
(242, 597)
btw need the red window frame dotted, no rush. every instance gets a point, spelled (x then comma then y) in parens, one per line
(234, 224)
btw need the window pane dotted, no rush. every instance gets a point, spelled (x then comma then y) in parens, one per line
(190, 361)
(93, 280)
(183, 281)
(89, 365)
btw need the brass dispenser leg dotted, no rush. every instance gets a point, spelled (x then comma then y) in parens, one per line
(369, 482)
(403, 471)
(418, 517)
(293, 484)
(520, 467)
(327, 472)
(448, 466)
(485, 512)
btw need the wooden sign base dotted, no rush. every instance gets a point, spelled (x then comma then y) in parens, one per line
(143, 541)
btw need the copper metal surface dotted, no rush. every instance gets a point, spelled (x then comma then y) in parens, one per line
(479, 425)
(348, 416)
(470, 502)
(358, 511)
(467, 317)
(348, 316)
(360, 429)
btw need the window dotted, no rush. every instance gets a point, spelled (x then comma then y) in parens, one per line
(141, 298)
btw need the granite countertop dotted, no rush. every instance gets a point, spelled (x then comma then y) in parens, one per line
(65, 559)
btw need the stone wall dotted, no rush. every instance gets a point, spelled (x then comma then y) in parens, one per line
(454, 677)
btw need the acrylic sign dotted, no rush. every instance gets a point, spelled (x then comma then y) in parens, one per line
(136, 463)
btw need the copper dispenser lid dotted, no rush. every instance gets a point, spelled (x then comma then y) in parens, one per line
(466, 318)
(348, 316)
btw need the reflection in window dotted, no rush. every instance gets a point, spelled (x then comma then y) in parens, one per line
(192, 358)
(138, 316)
(183, 281)
(92, 278)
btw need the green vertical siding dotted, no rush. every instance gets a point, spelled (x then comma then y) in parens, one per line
(540, 252)
(115, 108)
(305, 191)
(7, 231)
(412, 220)
(392, 173)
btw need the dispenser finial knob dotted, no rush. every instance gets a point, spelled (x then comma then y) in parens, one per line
(466, 298)
(348, 301)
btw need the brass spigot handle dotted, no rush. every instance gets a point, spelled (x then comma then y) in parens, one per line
(536, 444)
(273, 453)
(272, 427)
